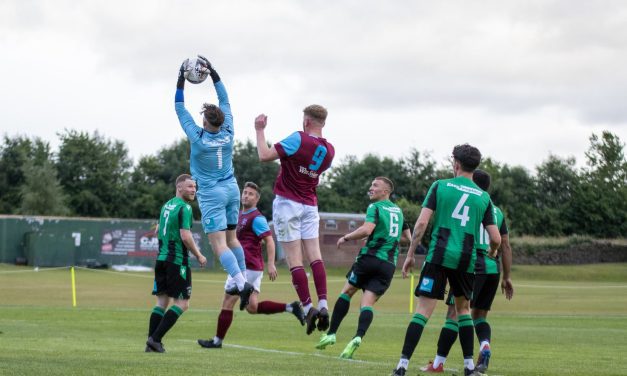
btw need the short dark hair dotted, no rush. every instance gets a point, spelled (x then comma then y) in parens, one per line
(182, 178)
(213, 114)
(387, 181)
(250, 184)
(482, 179)
(468, 156)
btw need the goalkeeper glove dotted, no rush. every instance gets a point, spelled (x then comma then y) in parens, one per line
(212, 72)
(183, 72)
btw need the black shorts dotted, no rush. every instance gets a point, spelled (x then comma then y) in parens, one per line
(432, 282)
(484, 290)
(372, 274)
(173, 280)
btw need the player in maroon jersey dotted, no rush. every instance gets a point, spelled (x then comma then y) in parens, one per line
(252, 229)
(304, 155)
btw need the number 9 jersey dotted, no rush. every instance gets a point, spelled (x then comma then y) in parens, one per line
(303, 158)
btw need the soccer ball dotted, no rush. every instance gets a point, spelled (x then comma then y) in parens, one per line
(197, 70)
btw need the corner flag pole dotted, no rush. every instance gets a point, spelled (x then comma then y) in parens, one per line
(411, 293)
(74, 286)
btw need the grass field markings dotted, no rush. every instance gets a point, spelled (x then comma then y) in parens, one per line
(34, 270)
(294, 353)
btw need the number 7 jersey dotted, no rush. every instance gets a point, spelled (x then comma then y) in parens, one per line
(303, 158)
(460, 208)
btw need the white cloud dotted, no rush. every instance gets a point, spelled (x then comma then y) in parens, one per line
(521, 79)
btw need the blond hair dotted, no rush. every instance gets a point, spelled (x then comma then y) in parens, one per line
(316, 112)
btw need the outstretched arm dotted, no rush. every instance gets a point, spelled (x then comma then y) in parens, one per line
(223, 97)
(266, 153)
(190, 128)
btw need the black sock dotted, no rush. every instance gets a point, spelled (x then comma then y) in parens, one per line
(412, 336)
(483, 330)
(466, 334)
(365, 319)
(168, 321)
(448, 336)
(155, 319)
(340, 310)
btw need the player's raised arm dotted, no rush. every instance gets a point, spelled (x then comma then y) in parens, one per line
(266, 153)
(190, 128)
(223, 97)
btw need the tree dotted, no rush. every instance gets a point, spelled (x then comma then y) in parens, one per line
(556, 183)
(248, 168)
(153, 178)
(41, 192)
(15, 154)
(94, 173)
(600, 204)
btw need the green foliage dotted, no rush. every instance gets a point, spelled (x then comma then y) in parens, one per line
(42, 193)
(98, 179)
(94, 174)
(248, 168)
(15, 154)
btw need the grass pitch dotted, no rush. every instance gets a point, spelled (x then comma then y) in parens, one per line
(563, 320)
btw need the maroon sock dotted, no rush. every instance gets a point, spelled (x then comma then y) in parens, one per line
(320, 278)
(301, 284)
(269, 307)
(224, 322)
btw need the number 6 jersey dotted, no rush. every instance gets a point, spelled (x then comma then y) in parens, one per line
(389, 224)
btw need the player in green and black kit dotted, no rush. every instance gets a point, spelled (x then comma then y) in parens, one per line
(459, 207)
(374, 267)
(487, 273)
(173, 277)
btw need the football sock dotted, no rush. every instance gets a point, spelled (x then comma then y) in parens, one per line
(412, 336)
(217, 340)
(320, 279)
(224, 322)
(238, 252)
(438, 360)
(466, 334)
(229, 263)
(340, 310)
(267, 307)
(483, 345)
(366, 315)
(322, 303)
(483, 330)
(403, 362)
(469, 363)
(301, 285)
(155, 319)
(168, 321)
(448, 336)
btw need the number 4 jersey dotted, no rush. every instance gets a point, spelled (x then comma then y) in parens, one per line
(460, 207)
(303, 159)
(389, 224)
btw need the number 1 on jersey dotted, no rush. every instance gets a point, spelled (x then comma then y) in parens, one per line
(457, 212)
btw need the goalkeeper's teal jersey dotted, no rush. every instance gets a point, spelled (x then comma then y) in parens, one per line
(460, 207)
(484, 263)
(176, 214)
(383, 241)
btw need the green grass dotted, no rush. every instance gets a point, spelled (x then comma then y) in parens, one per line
(563, 320)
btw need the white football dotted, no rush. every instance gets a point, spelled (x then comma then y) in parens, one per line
(197, 70)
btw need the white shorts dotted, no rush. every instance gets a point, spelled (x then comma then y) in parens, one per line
(252, 276)
(293, 220)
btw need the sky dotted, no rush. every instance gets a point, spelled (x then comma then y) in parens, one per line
(521, 80)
